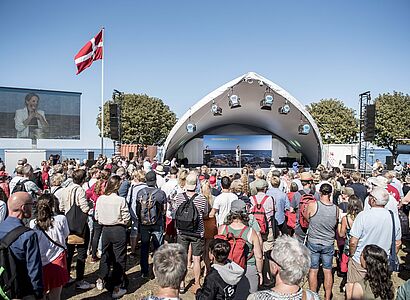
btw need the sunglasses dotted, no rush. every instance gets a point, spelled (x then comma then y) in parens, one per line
(268, 256)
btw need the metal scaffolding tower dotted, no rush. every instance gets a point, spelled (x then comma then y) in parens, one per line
(363, 144)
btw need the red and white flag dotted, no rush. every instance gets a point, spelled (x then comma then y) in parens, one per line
(92, 51)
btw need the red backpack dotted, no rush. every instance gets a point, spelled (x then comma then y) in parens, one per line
(305, 200)
(259, 213)
(238, 246)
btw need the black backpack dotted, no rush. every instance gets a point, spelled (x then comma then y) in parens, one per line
(187, 216)
(149, 209)
(20, 186)
(9, 286)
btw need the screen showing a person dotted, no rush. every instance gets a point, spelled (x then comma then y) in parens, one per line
(255, 150)
(39, 114)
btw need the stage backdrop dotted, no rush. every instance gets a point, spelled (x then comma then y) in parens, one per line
(255, 149)
(40, 114)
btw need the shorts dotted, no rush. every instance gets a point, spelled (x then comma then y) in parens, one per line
(197, 243)
(355, 271)
(55, 273)
(321, 253)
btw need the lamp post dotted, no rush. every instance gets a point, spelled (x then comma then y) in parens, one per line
(118, 97)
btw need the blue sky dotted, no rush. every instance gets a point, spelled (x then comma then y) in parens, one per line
(180, 51)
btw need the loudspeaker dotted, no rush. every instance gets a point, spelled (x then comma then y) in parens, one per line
(114, 132)
(389, 162)
(130, 155)
(90, 155)
(369, 123)
(348, 159)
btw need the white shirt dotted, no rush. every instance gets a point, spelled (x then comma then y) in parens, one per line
(111, 210)
(169, 186)
(160, 181)
(59, 233)
(20, 117)
(374, 226)
(223, 204)
(147, 166)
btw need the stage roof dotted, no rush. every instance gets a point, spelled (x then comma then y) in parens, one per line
(251, 89)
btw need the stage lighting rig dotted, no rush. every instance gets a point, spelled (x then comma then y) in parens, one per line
(304, 129)
(267, 101)
(285, 109)
(234, 100)
(190, 128)
(215, 109)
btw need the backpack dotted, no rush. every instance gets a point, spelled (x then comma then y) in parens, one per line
(20, 186)
(239, 248)
(259, 213)
(305, 200)
(148, 206)
(187, 216)
(9, 286)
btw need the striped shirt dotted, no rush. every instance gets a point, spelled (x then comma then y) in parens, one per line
(201, 205)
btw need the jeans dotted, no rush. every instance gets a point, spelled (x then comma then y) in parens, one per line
(157, 234)
(320, 252)
(114, 239)
(97, 230)
(81, 255)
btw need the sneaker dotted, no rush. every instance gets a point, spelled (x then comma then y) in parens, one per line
(84, 285)
(71, 280)
(99, 284)
(118, 292)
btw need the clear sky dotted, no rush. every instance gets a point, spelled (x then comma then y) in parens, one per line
(180, 51)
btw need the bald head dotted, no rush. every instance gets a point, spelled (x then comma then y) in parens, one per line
(17, 201)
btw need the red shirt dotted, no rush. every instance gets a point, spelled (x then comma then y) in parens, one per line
(394, 192)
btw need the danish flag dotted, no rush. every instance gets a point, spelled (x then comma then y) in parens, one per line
(92, 51)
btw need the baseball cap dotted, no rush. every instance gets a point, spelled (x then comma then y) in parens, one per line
(151, 178)
(238, 206)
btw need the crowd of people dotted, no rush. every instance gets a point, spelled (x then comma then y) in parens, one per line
(246, 235)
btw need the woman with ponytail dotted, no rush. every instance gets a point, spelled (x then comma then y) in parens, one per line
(52, 231)
(377, 284)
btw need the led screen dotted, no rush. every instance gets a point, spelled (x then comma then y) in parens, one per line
(39, 114)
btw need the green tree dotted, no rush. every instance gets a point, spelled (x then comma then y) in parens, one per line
(144, 119)
(337, 123)
(392, 120)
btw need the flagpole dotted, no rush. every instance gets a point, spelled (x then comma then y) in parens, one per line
(102, 96)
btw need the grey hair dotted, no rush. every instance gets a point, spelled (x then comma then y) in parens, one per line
(381, 195)
(170, 265)
(293, 258)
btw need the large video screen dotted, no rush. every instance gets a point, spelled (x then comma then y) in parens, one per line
(255, 150)
(39, 114)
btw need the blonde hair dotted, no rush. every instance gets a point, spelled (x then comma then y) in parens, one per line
(206, 191)
(245, 184)
(139, 175)
(183, 174)
(57, 179)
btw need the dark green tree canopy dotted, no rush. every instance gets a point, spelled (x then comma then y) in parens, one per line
(336, 122)
(144, 119)
(392, 120)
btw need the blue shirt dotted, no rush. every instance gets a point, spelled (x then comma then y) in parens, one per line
(281, 204)
(27, 251)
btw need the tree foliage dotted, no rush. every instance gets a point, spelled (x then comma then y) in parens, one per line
(392, 120)
(336, 122)
(144, 119)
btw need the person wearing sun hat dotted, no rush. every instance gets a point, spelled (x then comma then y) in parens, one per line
(159, 170)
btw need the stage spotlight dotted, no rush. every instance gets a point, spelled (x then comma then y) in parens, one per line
(234, 101)
(267, 101)
(190, 128)
(304, 129)
(285, 109)
(260, 82)
(215, 109)
(248, 80)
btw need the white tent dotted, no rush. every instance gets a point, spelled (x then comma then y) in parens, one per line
(251, 88)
